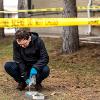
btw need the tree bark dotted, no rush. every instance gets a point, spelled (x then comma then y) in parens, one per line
(23, 5)
(29, 6)
(1, 16)
(70, 34)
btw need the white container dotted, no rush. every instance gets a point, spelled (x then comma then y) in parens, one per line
(33, 95)
(32, 80)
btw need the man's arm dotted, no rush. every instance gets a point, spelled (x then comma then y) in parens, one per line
(16, 52)
(17, 58)
(44, 58)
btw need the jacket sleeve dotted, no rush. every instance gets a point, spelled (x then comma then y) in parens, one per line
(44, 58)
(17, 58)
(16, 52)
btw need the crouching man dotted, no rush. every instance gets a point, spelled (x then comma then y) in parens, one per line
(30, 58)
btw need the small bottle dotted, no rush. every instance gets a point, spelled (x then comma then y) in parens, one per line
(32, 80)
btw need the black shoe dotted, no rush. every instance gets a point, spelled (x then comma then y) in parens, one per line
(21, 86)
(38, 87)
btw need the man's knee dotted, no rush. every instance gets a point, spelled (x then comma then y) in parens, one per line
(10, 66)
(7, 65)
(46, 70)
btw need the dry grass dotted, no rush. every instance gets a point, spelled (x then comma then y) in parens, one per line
(73, 77)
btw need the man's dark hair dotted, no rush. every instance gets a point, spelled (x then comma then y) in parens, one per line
(22, 34)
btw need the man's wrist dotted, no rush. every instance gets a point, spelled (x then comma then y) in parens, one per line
(24, 75)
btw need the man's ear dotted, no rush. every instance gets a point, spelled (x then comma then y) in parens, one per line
(29, 38)
(18, 41)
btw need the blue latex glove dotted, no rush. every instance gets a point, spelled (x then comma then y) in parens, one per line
(33, 72)
(28, 81)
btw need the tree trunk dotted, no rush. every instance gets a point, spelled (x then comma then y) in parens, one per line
(70, 34)
(29, 5)
(1, 16)
(23, 5)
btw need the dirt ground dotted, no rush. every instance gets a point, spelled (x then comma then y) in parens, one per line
(73, 77)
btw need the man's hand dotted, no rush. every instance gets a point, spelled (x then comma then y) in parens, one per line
(28, 81)
(33, 71)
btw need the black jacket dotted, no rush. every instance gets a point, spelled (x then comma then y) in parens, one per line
(35, 54)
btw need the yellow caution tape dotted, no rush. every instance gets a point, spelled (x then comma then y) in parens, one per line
(53, 9)
(87, 7)
(46, 22)
(34, 10)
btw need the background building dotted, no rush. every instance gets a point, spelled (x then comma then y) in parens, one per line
(10, 7)
(56, 31)
(59, 3)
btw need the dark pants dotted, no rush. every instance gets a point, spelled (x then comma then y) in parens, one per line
(13, 70)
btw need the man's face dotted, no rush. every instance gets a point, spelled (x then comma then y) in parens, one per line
(24, 43)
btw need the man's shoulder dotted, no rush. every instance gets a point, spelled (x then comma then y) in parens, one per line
(35, 37)
(15, 43)
(34, 34)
